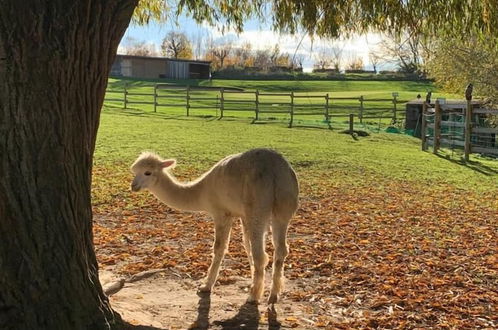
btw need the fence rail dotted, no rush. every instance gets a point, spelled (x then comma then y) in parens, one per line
(291, 104)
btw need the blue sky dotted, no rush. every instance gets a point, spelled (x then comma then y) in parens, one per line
(260, 35)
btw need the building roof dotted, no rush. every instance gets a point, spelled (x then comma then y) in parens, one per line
(163, 58)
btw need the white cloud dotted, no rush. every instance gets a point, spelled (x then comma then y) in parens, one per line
(357, 46)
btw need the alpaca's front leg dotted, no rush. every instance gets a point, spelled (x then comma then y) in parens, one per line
(223, 225)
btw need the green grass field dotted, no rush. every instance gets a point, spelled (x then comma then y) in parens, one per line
(198, 143)
(380, 222)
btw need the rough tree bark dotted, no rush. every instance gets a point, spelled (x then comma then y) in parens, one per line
(55, 57)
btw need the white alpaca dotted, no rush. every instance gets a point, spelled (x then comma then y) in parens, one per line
(258, 186)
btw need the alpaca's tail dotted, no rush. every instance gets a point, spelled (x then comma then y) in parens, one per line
(286, 194)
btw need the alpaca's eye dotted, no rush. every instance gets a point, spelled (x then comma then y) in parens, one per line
(147, 173)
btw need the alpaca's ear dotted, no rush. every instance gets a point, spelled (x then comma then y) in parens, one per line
(168, 163)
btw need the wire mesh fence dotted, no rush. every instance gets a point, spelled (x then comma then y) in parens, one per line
(461, 125)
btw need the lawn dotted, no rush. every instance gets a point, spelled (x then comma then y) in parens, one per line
(391, 235)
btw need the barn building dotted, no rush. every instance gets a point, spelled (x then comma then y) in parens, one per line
(159, 67)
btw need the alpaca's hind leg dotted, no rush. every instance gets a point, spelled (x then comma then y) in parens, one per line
(247, 243)
(279, 233)
(260, 258)
(222, 238)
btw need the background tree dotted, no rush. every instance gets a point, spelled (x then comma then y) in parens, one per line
(329, 56)
(336, 57)
(177, 45)
(279, 59)
(355, 63)
(408, 51)
(243, 55)
(199, 41)
(298, 60)
(323, 59)
(375, 59)
(275, 55)
(262, 59)
(139, 48)
(460, 62)
(54, 61)
(219, 53)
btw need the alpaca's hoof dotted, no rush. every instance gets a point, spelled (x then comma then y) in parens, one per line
(205, 289)
(252, 300)
(272, 299)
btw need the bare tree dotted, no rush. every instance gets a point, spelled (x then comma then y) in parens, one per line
(176, 45)
(199, 44)
(323, 59)
(284, 60)
(375, 59)
(262, 59)
(274, 55)
(355, 63)
(243, 55)
(298, 60)
(336, 57)
(408, 51)
(139, 48)
(220, 52)
(329, 57)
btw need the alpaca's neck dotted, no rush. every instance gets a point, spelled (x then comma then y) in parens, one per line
(178, 195)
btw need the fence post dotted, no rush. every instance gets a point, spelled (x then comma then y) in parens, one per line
(125, 95)
(423, 128)
(256, 94)
(291, 109)
(188, 100)
(351, 123)
(437, 127)
(155, 97)
(222, 101)
(217, 104)
(395, 102)
(361, 109)
(327, 116)
(468, 130)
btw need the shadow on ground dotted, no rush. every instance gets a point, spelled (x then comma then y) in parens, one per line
(475, 166)
(248, 316)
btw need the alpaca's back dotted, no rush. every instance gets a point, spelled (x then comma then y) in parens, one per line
(259, 178)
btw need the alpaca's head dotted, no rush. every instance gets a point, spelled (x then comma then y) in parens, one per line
(147, 168)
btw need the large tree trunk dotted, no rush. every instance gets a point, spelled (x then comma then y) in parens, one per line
(55, 57)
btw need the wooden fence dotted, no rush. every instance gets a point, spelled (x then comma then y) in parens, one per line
(459, 126)
(260, 104)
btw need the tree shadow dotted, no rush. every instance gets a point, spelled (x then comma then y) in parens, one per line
(475, 166)
(246, 318)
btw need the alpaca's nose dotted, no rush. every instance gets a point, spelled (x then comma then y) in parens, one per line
(135, 186)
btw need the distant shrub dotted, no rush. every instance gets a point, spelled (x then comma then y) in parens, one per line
(360, 71)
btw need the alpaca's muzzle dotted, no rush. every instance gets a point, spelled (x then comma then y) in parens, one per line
(135, 186)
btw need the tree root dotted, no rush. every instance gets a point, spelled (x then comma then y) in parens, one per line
(115, 286)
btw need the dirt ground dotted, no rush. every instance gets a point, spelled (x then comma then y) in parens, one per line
(169, 300)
